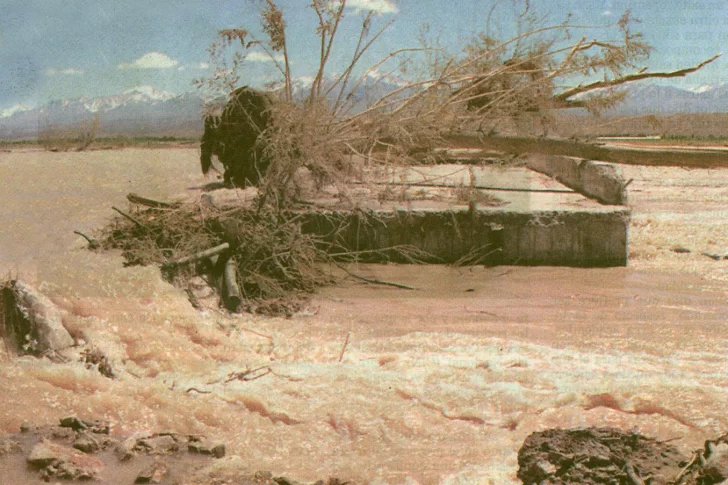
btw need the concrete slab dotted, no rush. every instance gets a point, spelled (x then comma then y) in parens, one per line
(480, 214)
(500, 177)
(599, 180)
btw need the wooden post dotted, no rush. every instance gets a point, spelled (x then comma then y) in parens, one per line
(232, 290)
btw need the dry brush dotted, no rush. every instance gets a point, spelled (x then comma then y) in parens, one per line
(491, 85)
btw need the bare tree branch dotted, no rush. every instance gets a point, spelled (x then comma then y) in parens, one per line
(562, 100)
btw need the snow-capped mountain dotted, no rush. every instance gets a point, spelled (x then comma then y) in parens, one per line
(140, 94)
(141, 111)
(148, 111)
(704, 87)
(645, 98)
(18, 108)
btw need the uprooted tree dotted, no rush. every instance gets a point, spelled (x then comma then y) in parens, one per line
(261, 252)
(486, 87)
(232, 137)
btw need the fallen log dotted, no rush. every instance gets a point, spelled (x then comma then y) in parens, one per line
(202, 254)
(522, 145)
(157, 204)
(232, 294)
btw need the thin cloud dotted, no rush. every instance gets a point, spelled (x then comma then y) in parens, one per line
(608, 8)
(256, 56)
(377, 6)
(199, 65)
(151, 60)
(63, 72)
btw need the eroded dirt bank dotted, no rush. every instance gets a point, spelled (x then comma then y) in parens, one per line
(438, 385)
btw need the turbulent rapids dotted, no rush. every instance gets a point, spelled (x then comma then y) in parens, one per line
(368, 383)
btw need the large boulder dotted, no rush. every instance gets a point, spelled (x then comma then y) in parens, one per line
(596, 456)
(33, 323)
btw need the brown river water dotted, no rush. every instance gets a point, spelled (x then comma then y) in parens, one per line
(440, 385)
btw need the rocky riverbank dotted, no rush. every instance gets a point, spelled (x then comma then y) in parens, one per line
(78, 449)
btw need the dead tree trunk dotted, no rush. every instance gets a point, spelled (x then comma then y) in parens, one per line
(523, 145)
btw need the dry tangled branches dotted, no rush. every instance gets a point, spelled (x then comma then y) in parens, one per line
(255, 258)
(269, 255)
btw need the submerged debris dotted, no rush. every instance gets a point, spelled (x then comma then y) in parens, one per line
(715, 256)
(256, 259)
(252, 258)
(93, 358)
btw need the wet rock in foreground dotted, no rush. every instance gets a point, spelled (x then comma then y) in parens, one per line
(54, 460)
(155, 473)
(590, 456)
(78, 449)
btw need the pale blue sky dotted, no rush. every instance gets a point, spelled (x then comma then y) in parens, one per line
(53, 49)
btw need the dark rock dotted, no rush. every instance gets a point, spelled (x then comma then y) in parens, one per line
(77, 424)
(158, 444)
(78, 449)
(25, 426)
(35, 324)
(125, 450)
(87, 443)
(590, 456)
(58, 433)
(285, 481)
(715, 469)
(45, 453)
(73, 422)
(55, 460)
(336, 481)
(212, 448)
(154, 473)
(714, 256)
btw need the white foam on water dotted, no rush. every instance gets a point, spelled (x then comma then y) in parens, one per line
(416, 399)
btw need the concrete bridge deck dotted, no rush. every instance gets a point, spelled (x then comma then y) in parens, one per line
(487, 214)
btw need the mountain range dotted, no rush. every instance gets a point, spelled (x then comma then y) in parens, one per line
(146, 111)
(644, 98)
(141, 111)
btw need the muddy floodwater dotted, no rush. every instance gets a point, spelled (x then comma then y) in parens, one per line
(439, 385)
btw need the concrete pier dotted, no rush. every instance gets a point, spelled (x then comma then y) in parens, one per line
(487, 214)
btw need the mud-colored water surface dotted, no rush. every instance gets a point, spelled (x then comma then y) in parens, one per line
(436, 385)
